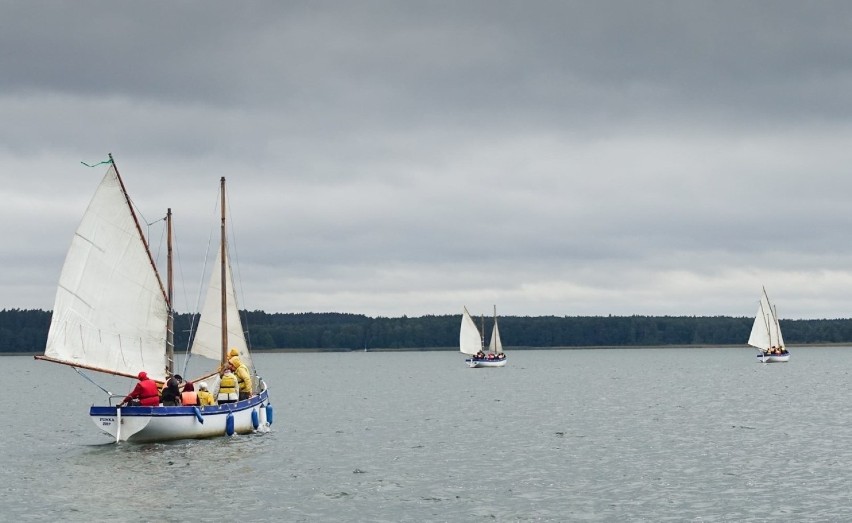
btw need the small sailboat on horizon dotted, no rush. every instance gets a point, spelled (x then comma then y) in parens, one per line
(766, 333)
(472, 342)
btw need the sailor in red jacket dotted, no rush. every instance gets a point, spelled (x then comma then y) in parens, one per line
(145, 392)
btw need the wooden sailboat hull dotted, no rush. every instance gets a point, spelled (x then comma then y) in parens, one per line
(476, 363)
(152, 424)
(774, 358)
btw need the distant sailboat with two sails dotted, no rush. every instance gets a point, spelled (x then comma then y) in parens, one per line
(766, 333)
(472, 343)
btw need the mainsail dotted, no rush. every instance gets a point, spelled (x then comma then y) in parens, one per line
(208, 337)
(111, 310)
(211, 339)
(470, 341)
(496, 346)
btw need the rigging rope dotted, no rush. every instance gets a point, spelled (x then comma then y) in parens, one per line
(92, 381)
(99, 163)
(197, 313)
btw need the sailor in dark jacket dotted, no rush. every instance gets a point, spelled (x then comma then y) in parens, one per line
(171, 391)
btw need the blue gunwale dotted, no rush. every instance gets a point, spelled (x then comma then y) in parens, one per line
(97, 410)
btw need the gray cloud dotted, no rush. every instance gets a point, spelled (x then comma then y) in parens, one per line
(402, 158)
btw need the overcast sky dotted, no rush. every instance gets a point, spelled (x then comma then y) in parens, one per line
(390, 158)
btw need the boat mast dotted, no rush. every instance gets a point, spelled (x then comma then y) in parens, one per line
(482, 332)
(170, 322)
(777, 326)
(766, 325)
(494, 330)
(223, 254)
(771, 322)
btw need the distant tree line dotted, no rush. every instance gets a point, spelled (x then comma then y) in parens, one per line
(26, 331)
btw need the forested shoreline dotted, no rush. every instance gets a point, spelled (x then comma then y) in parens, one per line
(25, 330)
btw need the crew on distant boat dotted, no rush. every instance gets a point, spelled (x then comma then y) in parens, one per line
(489, 357)
(205, 398)
(227, 387)
(775, 351)
(144, 394)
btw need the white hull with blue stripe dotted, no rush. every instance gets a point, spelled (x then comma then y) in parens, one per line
(474, 362)
(149, 424)
(774, 358)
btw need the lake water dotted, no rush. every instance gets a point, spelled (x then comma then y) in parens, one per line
(573, 435)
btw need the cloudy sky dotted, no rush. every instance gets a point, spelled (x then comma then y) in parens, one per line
(390, 158)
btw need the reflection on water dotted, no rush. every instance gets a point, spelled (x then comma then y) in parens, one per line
(595, 435)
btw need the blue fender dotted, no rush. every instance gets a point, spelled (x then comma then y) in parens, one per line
(198, 415)
(255, 419)
(269, 413)
(229, 425)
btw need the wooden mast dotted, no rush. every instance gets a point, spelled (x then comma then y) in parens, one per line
(495, 336)
(222, 255)
(170, 283)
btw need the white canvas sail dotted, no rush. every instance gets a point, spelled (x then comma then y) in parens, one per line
(110, 311)
(766, 331)
(775, 330)
(470, 341)
(208, 336)
(495, 346)
(759, 336)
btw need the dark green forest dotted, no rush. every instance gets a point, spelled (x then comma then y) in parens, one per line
(26, 331)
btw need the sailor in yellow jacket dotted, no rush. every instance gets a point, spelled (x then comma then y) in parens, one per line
(228, 387)
(243, 378)
(242, 373)
(205, 398)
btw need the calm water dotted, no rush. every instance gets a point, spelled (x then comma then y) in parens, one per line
(595, 435)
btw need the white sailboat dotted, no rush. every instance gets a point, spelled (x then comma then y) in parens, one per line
(471, 343)
(113, 315)
(766, 333)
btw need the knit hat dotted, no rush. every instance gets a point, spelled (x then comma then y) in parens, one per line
(143, 376)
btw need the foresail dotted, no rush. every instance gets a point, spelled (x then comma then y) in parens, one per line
(760, 330)
(495, 345)
(208, 336)
(470, 341)
(110, 312)
(759, 336)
